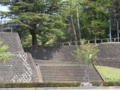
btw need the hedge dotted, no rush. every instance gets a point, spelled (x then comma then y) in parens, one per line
(54, 84)
(37, 84)
(105, 83)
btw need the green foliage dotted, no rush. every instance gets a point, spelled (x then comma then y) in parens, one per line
(106, 83)
(97, 28)
(39, 18)
(26, 42)
(48, 21)
(54, 84)
(96, 18)
(93, 17)
(49, 84)
(4, 55)
(86, 52)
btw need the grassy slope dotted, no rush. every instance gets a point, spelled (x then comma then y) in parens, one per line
(109, 73)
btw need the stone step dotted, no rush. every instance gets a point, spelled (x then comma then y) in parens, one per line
(67, 73)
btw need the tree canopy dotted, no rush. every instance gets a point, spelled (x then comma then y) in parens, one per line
(46, 22)
(40, 18)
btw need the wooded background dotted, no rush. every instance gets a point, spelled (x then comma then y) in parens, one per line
(46, 22)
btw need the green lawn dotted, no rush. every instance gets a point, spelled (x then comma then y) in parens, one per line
(111, 43)
(109, 73)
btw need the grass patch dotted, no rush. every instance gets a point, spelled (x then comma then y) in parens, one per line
(110, 43)
(109, 73)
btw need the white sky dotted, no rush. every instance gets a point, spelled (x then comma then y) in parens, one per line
(3, 8)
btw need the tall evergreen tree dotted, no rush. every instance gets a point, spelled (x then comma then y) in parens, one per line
(96, 14)
(38, 17)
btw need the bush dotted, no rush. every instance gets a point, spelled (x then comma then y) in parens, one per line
(37, 84)
(54, 84)
(105, 83)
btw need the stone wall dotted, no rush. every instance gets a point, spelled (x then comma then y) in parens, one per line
(20, 67)
(12, 40)
(59, 53)
(108, 55)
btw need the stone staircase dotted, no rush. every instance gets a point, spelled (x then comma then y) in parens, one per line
(57, 64)
(53, 71)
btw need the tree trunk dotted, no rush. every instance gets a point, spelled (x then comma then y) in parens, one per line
(73, 22)
(34, 38)
(86, 76)
(78, 24)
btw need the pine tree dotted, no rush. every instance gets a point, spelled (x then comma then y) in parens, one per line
(39, 18)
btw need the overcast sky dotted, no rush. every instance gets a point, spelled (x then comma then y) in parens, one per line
(3, 8)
